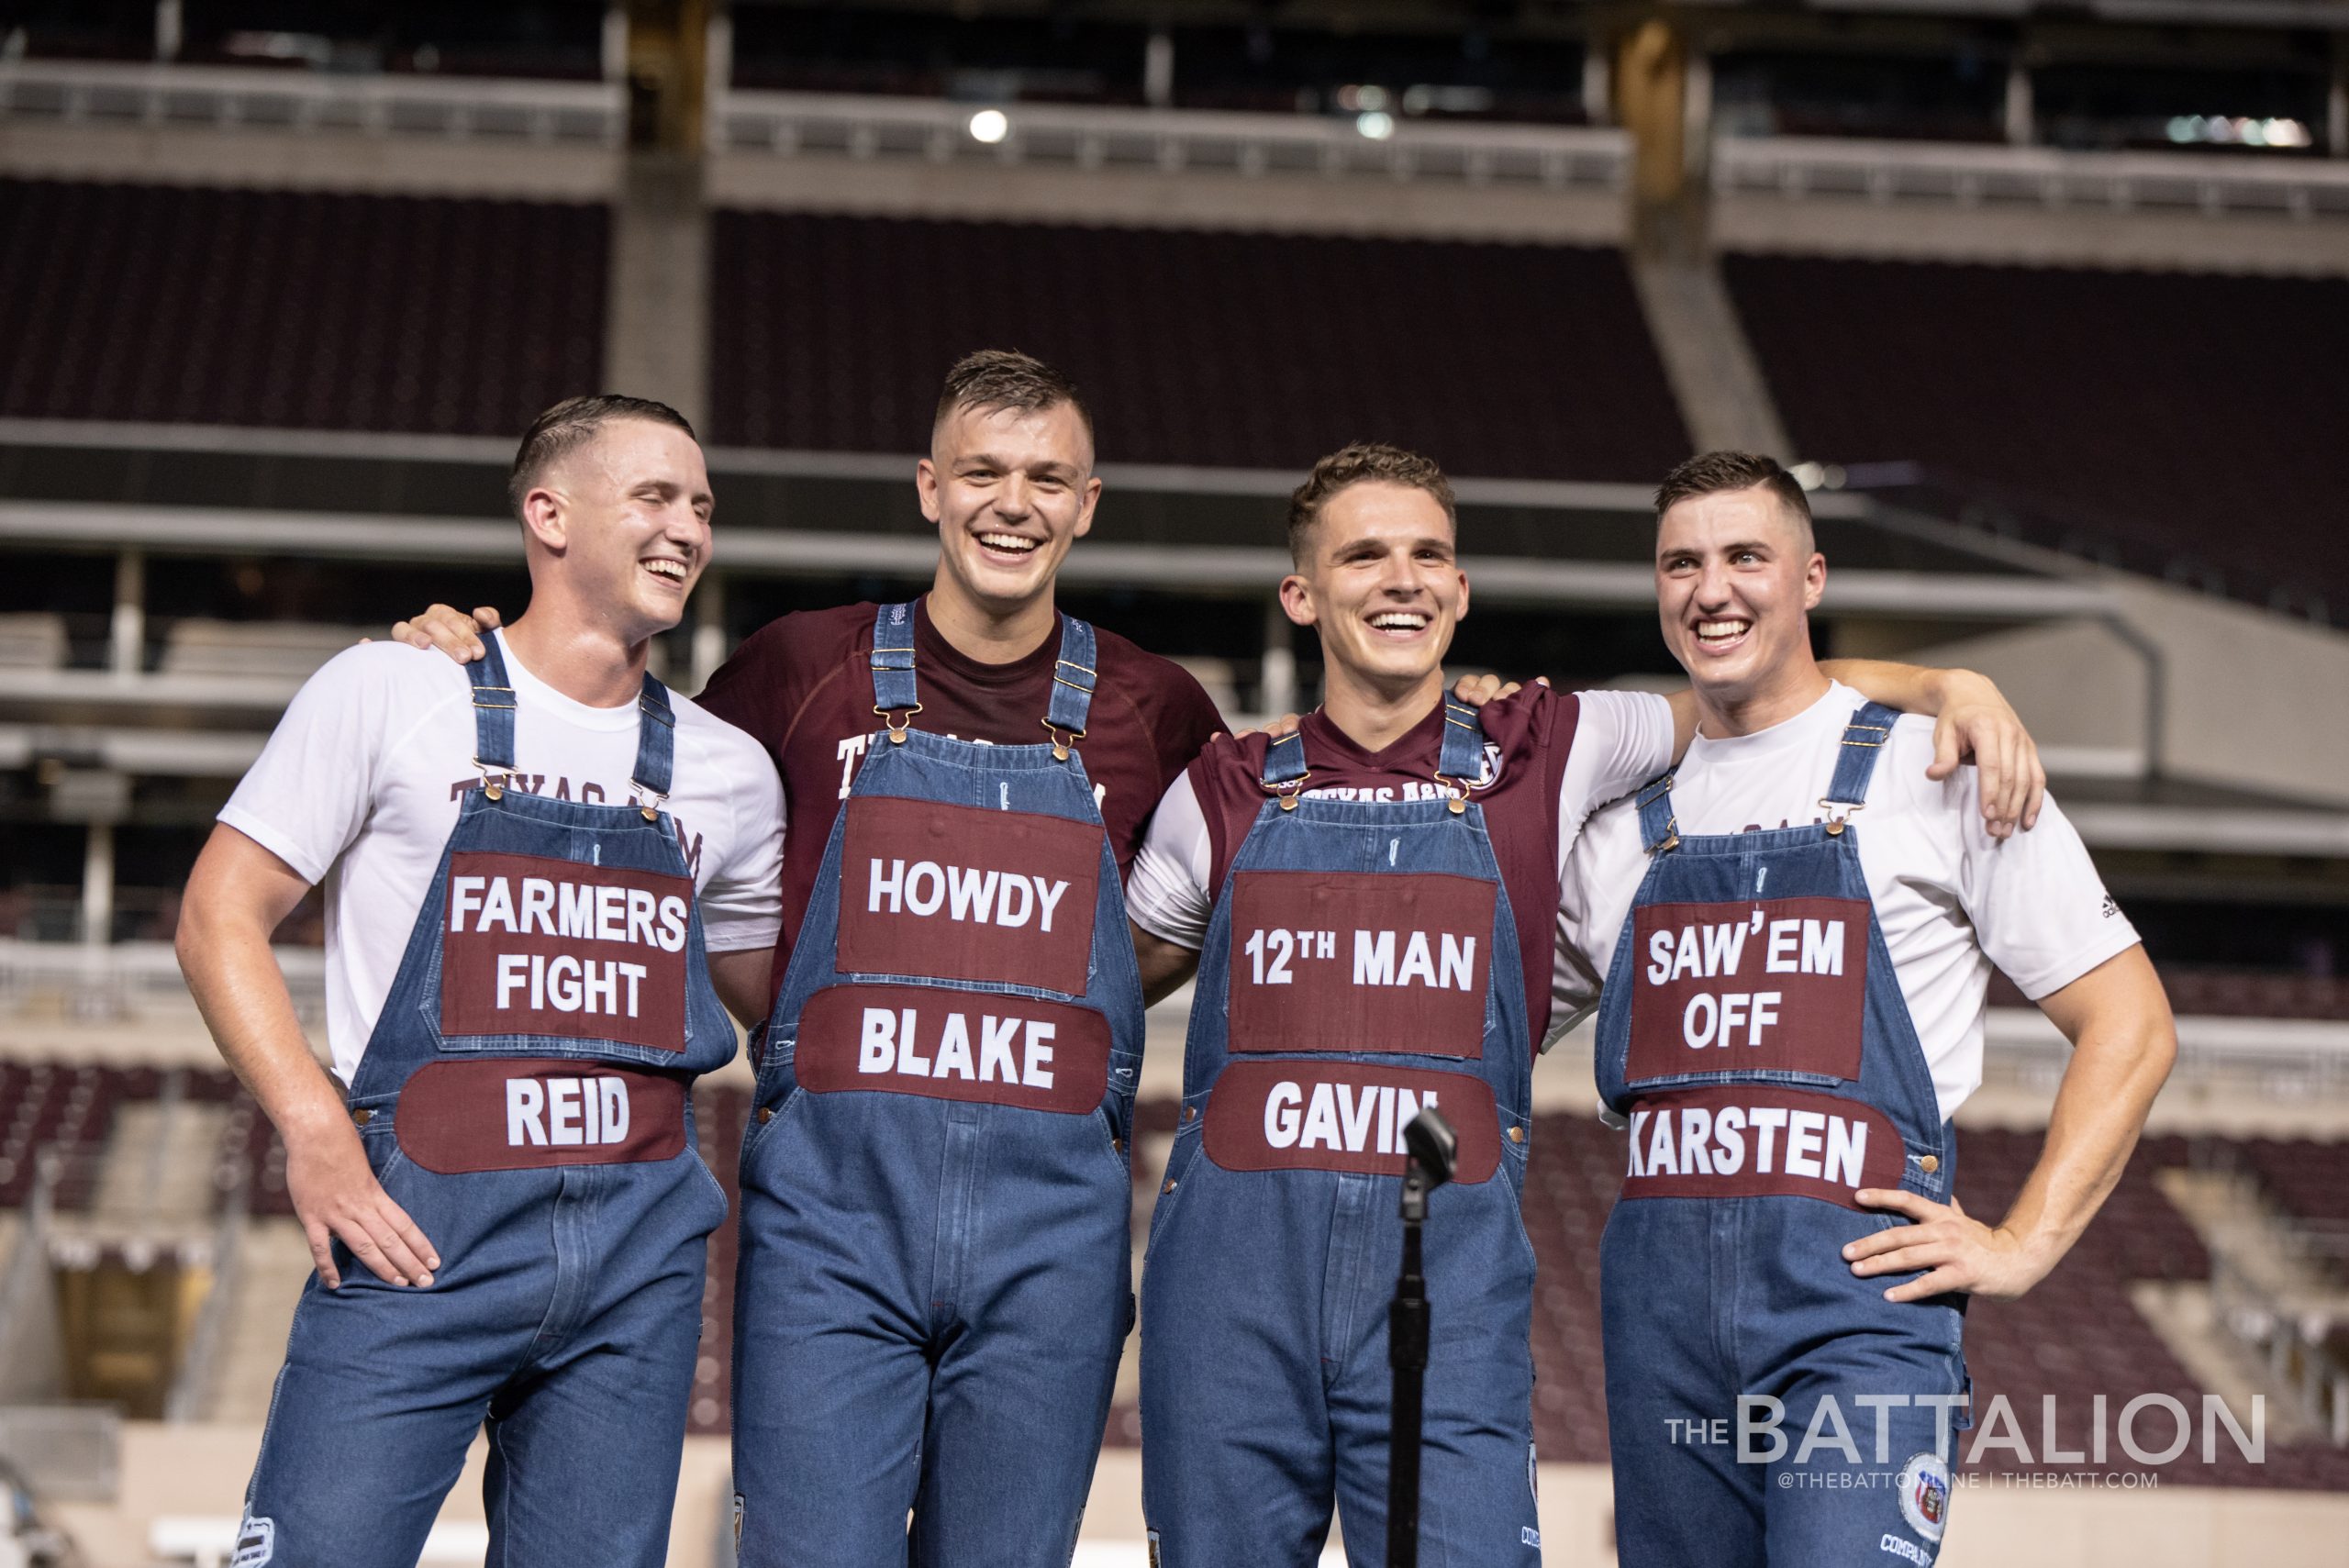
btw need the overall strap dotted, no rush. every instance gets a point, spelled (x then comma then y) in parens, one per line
(1659, 827)
(1865, 737)
(1463, 757)
(656, 742)
(1461, 760)
(1284, 771)
(892, 665)
(1073, 679)
(493, 711)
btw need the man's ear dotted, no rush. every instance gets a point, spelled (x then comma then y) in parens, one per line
(1085, 515)
(545, 519)
(1296, 600)
(925, 486)
(1814, 581)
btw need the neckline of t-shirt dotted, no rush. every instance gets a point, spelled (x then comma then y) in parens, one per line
(933, 647)
(1837, 695)
(529, 684)
(1321, 730)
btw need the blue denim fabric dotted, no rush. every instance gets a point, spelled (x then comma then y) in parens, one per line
(932, 1295)
(1266, 1383)
(1705, 1299)
(566, 1313)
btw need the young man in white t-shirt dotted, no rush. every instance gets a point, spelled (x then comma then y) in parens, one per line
(1796, 929)
(541, 872)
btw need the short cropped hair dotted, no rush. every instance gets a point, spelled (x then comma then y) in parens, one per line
(572, 424)
(1363, 462)
(993, 379)
(1713, 473)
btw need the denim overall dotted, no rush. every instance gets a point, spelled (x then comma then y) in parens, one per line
(1276, 1241)
(1721, 1270)
(935, 1279)
(553, 1170)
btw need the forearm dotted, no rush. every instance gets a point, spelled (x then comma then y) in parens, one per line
(238, 988)
(741, 979)
(1164, 965)
(1910, 688)
(2117, 1065)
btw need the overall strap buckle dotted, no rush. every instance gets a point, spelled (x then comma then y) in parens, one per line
(1659, 826)
(904, 717)
(1062, 738)
(494, 777)
(1285, 770)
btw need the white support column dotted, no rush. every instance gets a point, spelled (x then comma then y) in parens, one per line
(615, 43)
(1158, 70)
(1278, 692)
(97, 884)
(126, 640)
(2022, 115)
(170, 28)
(1597, 96)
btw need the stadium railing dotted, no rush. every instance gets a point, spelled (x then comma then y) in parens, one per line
(1089, 137)
(1968, 175)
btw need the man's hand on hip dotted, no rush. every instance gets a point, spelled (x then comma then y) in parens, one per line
(337, 1197)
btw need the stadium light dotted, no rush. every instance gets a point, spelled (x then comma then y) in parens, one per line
(1375, 124)
(990, 125)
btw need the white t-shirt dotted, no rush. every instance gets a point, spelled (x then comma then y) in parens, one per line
(1621, 739)
(359, 786)
(1951, 900)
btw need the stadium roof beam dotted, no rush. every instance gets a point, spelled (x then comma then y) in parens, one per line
(1935, 596)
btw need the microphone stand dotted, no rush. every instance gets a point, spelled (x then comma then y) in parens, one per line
(1431, 1151)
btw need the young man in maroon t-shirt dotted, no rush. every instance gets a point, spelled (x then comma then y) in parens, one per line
(1373, 536)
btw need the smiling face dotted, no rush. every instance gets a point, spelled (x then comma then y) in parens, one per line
(1736, 579)
(1381, 582)
(623, 523)
(1010, 490)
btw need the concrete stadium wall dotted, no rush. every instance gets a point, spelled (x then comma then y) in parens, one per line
(2251, 700)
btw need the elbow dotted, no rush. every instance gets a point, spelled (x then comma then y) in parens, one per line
(187, 939)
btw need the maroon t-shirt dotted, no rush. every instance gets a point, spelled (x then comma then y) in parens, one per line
(803, 685)
(1529, 736)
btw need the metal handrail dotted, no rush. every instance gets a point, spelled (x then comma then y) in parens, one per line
(451, 107)
(1968, 174)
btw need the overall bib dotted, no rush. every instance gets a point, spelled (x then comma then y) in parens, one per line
(1753, 1031)
(1360, 962)
(935, 1275)
(525, 1098)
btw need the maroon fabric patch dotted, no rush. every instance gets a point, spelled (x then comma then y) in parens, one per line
(803, 686)
(1535, 730)
(520, 1113)
(1749, 1140)
(1761, 985)
(1358, 961)
(955, 893)
(535, 945)
(1343, 1115)
(954, 1045)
